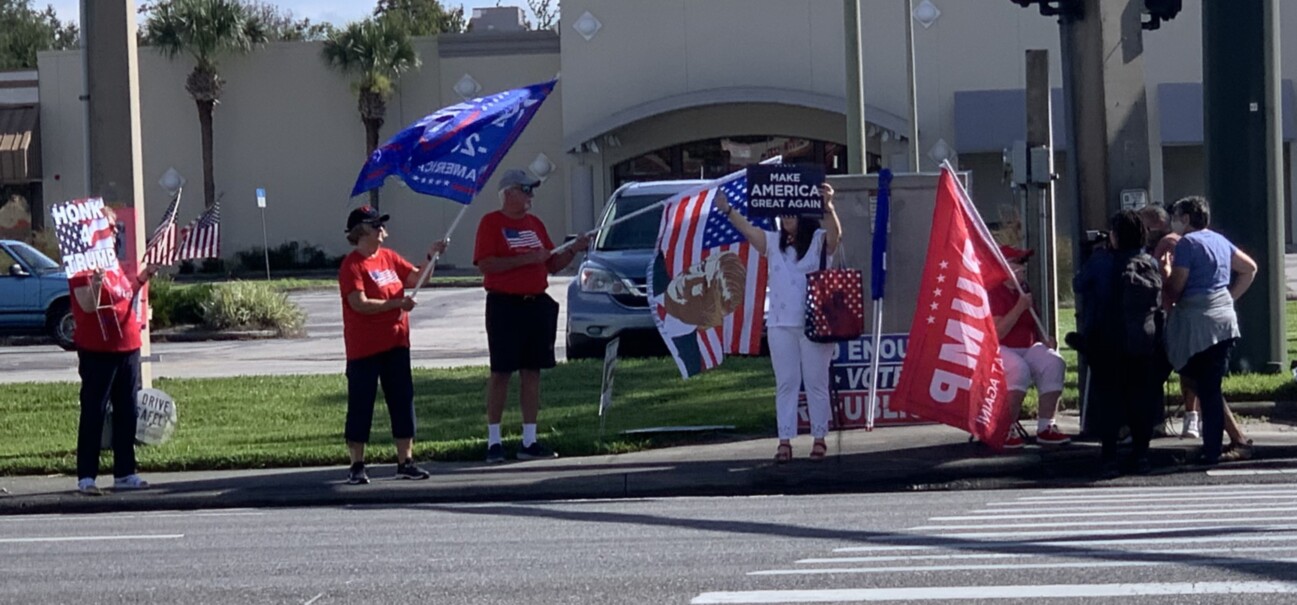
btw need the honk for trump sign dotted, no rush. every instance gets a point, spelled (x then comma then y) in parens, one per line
(86, 235)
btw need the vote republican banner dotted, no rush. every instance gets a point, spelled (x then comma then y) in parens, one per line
(952, 372)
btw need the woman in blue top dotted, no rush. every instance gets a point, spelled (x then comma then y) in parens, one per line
(792, 252)
(1202, 326)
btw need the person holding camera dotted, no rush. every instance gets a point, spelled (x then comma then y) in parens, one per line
(1122, 284)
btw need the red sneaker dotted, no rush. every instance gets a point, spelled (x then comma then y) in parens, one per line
(1052, 436)
(1014, 442)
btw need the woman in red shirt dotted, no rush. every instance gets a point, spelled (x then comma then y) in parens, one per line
(376, 331)
(107, 338)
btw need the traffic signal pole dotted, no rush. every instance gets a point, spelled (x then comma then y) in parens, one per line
(1241, 110)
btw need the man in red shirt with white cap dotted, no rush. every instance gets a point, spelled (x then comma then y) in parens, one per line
(1027, 359)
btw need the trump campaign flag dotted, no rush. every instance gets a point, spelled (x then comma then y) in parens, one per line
(86, 237)
(452, 153)
(707, 283)
(952, 372)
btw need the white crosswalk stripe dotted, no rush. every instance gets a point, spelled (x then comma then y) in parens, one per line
(1112, 542)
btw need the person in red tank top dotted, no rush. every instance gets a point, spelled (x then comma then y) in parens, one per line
(513, 252)
(107, 339)
(376, 333)
(1027, 359)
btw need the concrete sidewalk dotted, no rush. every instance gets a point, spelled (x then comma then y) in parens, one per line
(888, 459)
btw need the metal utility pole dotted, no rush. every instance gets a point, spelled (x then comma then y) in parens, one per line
(113, 90)
(1241, 112)
(1039, 218)
(856, 135)
(914, 93)
(1104, 72)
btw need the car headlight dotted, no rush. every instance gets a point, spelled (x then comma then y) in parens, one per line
(595, 279)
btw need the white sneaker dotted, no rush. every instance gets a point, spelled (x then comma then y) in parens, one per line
(87, 487)
(1191, 430)
(130, 482)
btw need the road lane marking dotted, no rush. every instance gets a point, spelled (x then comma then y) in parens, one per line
(1169, 488)
(1009, 566)
(955, 540)
(1055, 515)
(313, 599)
(1140, 499)
(90, 538)
(1142, 522)
(1142, 506)
(948, 593)
(1225, 472)
(1036, 552)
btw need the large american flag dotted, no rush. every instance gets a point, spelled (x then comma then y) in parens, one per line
(201, 238)
(161, 248)
(692, 230)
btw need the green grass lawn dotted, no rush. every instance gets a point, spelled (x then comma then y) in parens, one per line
(278, 421)
(258, 422)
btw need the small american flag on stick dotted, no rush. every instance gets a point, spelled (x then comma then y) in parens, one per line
(161, 248)
(201, 238)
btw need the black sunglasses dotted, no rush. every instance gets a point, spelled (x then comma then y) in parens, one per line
(527, 189)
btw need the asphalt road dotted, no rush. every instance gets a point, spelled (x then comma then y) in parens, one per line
(1193, 544)
(447, 330)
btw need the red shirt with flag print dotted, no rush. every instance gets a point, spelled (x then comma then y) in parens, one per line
(114, 328)
(381, 277)
(1023, 333)
(499, 236)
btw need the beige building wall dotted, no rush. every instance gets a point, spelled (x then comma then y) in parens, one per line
(657, 73)
(289, 124)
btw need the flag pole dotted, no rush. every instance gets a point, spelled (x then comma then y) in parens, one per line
(878, 273)
(990, 240)
(427, 270)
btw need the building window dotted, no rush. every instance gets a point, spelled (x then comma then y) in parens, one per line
(715, 158)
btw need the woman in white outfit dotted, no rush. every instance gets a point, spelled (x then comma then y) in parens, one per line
(794, 251)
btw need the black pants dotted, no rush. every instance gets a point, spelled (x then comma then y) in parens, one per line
(392, 367)
(107, 377)
(1207, 370)
(520, 331)
(1130, 393)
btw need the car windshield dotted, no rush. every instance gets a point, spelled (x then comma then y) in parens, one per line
(638, 233)
(38, 262)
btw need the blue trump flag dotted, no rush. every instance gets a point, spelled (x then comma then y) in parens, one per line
(882, 215)
(452, 153)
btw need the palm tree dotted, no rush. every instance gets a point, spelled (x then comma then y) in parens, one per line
(375, 51)
(203, 29)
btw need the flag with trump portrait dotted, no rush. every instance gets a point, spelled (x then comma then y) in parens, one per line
(452, 152)
(952, 372)
(707, 283)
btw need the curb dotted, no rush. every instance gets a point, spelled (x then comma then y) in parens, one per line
(578, 479)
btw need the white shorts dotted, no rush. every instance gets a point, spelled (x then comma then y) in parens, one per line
(1037, 364)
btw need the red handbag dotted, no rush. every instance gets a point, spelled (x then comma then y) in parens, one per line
(835, 303)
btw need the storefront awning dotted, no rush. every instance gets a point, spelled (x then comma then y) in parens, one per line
(1181, 119)
(20, 160)
(991, 120)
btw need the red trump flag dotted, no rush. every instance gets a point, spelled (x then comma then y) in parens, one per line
(952, 372)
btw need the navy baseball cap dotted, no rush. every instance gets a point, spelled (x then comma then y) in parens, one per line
(368, 215)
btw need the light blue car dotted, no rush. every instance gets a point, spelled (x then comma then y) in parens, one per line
(609, 297)
(34, 294)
